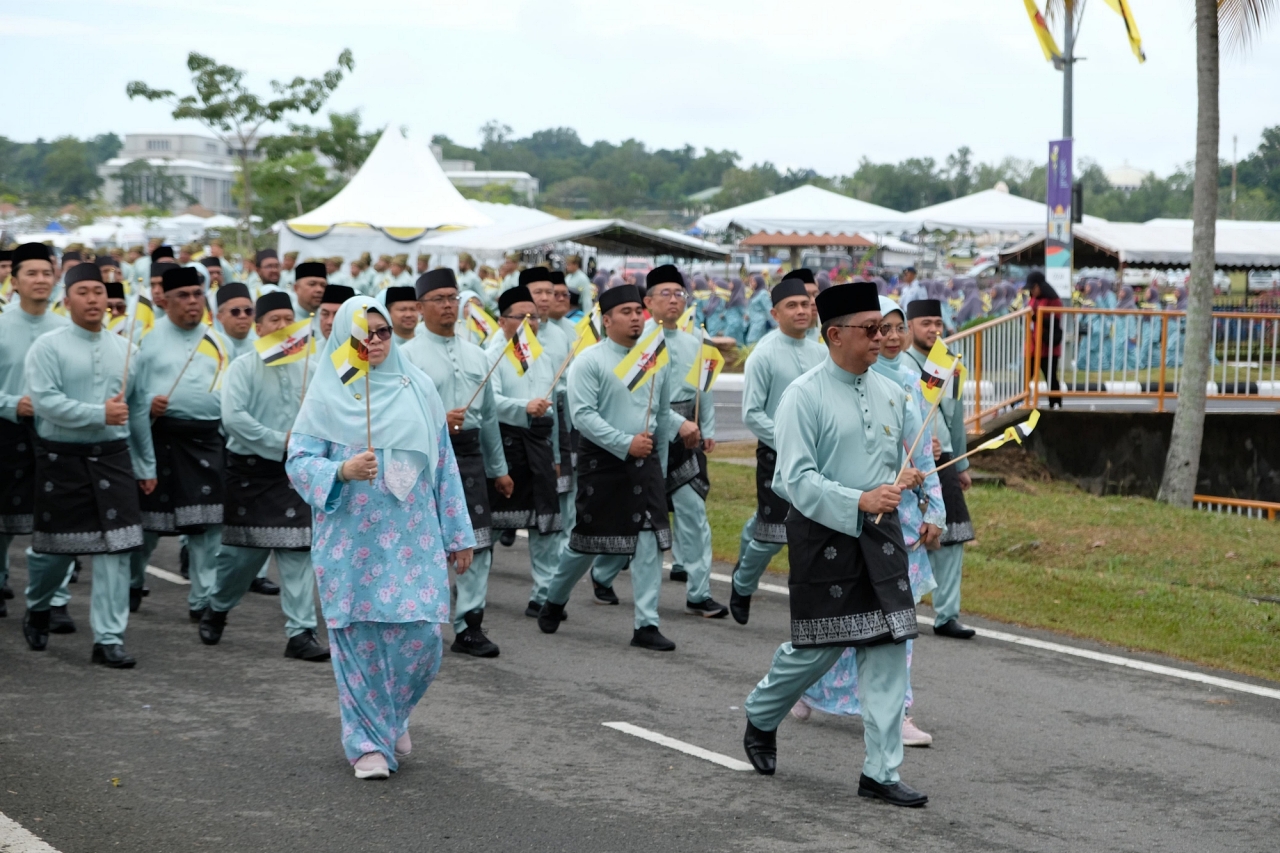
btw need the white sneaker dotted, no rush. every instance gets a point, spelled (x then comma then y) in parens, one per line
(404, 746)
(801, 710)
(372, 765)
(913, 736)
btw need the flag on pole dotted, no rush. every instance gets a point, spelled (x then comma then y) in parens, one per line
(212, 346)
(119, 325)
(685, 323)
(1015, 433)
(588, 329)
(351, 360)
(287, 345)
(707, 368)
(144, 316)
(479, 322)
(1047, 44)
(523, 349)
(957, 387)
(938, 368)
(644, 360)
(1131, 27)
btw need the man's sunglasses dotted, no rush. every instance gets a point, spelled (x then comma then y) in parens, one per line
(240, 312)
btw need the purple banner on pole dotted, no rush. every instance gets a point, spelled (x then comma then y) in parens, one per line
(1057, 246)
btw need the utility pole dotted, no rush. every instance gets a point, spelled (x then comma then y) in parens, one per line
(1068, 61)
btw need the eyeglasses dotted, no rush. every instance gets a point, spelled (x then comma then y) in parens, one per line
(873, 330)
(240, 312)
(670, 294)
(889, 328)
(442, 300)
(382, 333)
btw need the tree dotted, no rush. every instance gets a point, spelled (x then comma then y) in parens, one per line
(343, 143)
(69, 170)
(1242, 19)
(225, 106)
(289, 186)
(145, 185)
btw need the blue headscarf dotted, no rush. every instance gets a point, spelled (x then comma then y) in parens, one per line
(897, 369)
(406, 411)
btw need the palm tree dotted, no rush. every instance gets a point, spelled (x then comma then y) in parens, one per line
(1240, 21)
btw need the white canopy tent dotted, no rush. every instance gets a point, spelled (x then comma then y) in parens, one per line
(1109, 244)
(808, 210)
(987, 211)
(613, 236)
(445, 247)
(397, 197)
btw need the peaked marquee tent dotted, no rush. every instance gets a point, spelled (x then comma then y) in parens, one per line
(809, 210)
(994, 210)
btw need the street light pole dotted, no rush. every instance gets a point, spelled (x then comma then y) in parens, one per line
(1068, 62)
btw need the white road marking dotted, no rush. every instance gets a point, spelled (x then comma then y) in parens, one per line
(680, 746)
(1101, 657)
(165, 575)
(15, 839)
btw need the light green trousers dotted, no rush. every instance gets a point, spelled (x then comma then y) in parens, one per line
(235, 567)
(947, 562)
(753, 559)
(691, 542)
(471, 588)
(202, 548)
(646, 575)
(109, 601)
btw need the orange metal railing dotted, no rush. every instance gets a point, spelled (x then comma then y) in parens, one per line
(995, 355)
(1238, 506)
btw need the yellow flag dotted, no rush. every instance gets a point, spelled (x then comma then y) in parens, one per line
(287, 345)
(144, 316)
(212, 346)
(588, 329)
(1015, 433)
(1131, 27)
(479, 321)
(1047, 44)
(644, 360)
(685, 323)
(706, 369)
(351, 360)
(523, 349)
(938, 368)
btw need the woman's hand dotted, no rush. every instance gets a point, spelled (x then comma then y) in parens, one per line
(362, 466)
(461, 560)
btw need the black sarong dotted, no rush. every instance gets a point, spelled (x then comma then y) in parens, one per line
(959, 527)
(685, 465)
(86, 499)
(565, 481)
(771, 510)
(188, 496)
(532, 467)
(17, 476)
(467, 450)
(847, 591)
(617, 498)
(262, 510)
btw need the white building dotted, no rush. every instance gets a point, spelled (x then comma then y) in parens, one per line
(462, 173)
(1126, 178)
(205, 166)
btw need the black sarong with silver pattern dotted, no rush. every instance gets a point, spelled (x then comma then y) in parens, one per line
(771, 510)
(531, 465)
(959, 526)
(564, 482)
(847, 591)
(262, 510)
(86, 499)
(617, 498)
(189, 465)
(17, 476)
(467, 450)
(685, 465)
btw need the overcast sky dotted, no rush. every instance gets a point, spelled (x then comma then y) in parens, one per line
(805, 83)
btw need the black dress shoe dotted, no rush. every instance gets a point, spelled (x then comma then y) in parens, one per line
(709, 609)
(604, 594)
(762, 749)
(894, 793)
(532, 609)
(196, 615)
(35, 628)
(550, 617)
(305, 646)
(60, 621)
(212, 624)
(264, 586)
(678, 574)
(649, 637)
(472, 640)
(952, 628)
(135, 599)
(508, 538)
(184, 562)
(6, 591)
(739, 605)
(112, 656)
(4, 609)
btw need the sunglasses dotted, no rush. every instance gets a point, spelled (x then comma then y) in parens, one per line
(240, 312)
(382, 333)
(873, 330)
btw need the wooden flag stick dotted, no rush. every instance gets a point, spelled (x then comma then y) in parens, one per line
(563, 367)
(368, 416)
(480, 387)
(954, 461)
(306, 367)
(906, 463)
(653, 380)
(185, 365)
(133, 324)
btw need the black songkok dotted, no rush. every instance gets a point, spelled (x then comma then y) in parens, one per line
(107, 261)
(115, 289)
(804, 274)
(845, 299)
(433, 280)
(533, 274)
(6, 255)
(232, 290)
(83, 272)
(924, 308)
(160, 252)
(311, 269)
(30, 252)
(269, 302)
(400, 294)
(787, 288)
(663, 275)
(72, 255)
(180, 277)
(335, 294)
(211, 262)
(514, 295)
(158, 270)
(620, 295)
(263, 254)
(557, 276)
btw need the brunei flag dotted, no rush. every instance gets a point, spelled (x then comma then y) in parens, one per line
(685, 323)
(144, 316)
(211, 345)
(588, 329)
(523, 349)
(479, 322)
(351, 360)
(1047, 44)
(644, 360)
(938, 368)
(1015, 433)
(290, 344)
(957, 387)
(707, 368)
(1122, 9)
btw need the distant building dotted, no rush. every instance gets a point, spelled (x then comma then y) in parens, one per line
(462, 173)
(1126, 178)
(202, 167)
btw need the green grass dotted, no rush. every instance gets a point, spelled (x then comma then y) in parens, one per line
(1122, 570)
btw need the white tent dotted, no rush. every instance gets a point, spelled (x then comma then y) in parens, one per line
(445, 246)
(1143, 244)
(615, 236)
(808, 210)
(399, 194)
(988, 211)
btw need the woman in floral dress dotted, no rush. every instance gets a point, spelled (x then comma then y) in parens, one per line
(922, 515)
(388, 521)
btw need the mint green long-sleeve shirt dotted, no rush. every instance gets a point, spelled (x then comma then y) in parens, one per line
(18, 331)
(776, 362)
(259, 403)
(160, 360)
(607, 414)
(684, 349)
(512, 392)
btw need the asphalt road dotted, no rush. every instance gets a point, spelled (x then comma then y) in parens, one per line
(235, 748)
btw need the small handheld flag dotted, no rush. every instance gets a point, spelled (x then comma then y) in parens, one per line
(1015, 433)
(212, 346)
(938, 368)
(144, 314)
(588, 329)
(957, 387)
(685, 323)
(288, 345)
(707, 368)
(479, 322)
(523, 349)
(351, 360)
(644, 360)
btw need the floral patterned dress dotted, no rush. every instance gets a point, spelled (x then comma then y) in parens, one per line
(837, 691)
(382, 573)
